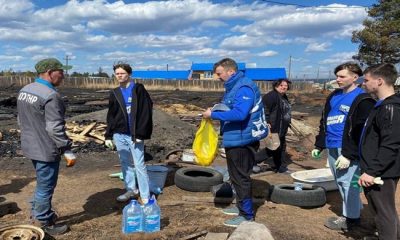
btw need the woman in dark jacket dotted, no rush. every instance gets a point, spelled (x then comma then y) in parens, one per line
(278, 115)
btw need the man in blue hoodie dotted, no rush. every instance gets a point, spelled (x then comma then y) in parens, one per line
(241, 127)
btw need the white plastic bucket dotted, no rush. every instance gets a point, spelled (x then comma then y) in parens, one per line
(321, 177)
(157, 176)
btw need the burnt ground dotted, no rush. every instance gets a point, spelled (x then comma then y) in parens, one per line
(85, 195)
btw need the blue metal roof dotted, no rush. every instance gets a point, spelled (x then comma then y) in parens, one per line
(210, 66)
(266, 74)
(153, 74)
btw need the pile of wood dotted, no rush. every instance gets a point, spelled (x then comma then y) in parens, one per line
(86, 132)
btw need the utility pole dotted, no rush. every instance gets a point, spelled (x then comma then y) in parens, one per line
(67, 57)
(290, 66)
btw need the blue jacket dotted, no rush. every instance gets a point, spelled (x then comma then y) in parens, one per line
(241, 132)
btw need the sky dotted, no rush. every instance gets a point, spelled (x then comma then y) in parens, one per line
(311, 36)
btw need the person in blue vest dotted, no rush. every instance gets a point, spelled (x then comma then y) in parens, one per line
(129, 123)
(380, 150)
(242, 127)
(346, 110)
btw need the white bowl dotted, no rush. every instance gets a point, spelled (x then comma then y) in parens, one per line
(319, 177)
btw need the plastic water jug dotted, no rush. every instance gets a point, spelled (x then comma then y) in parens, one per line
(152, 216)
(132, 218)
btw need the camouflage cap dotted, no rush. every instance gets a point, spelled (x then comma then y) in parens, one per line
(48, 64)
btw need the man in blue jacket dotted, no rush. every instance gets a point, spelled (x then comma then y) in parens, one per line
(242, 127)
(380, 150)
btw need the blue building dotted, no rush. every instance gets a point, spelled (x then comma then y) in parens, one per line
(167, 75)
(204, 71)
(265, 74)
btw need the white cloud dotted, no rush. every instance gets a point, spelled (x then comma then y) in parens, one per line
(11, 58)
(346, 31)
(268, 54)
(39, 57)
(213, 24)
(14, 10)
(317, 47)
(33, 49)
(33, 34)
(246, 41)
(307, 22)
(339, 58)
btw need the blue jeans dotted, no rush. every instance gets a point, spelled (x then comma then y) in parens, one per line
(131, 156)
(352, 205)
(46, 182)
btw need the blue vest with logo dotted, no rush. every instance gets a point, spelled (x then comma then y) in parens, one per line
(340, 105)
(254, 127)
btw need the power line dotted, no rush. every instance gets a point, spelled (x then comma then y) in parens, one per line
(304, 6)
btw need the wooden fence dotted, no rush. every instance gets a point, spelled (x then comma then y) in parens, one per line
(154, 84)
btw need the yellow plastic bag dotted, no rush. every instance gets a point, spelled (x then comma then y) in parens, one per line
(205, 144)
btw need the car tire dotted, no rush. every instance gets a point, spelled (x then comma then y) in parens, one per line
(197, 179)
(310, 196)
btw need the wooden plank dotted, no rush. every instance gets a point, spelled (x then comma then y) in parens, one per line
(77, 129)
(70, 125)
(88, 129)
(76, 137)
(95, 135)
(100, 126)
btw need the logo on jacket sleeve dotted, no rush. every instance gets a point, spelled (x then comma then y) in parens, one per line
(26, 97)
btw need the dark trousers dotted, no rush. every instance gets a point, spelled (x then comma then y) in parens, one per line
(240, 161)
(381, 199)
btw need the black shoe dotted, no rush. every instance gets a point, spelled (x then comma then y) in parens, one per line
(55, 229)
(282, 170)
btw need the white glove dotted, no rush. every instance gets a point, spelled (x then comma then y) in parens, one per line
(342, 162)
(70, 158)
(378, 181)
(109, 144)
(137, 140)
